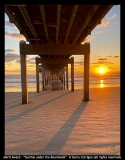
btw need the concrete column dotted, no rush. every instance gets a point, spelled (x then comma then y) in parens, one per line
(86, 77)
(23, 75)
(67, 76)
(72, 74)
(37, 78)
(43, 78)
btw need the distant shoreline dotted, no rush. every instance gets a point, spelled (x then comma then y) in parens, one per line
(75, 87)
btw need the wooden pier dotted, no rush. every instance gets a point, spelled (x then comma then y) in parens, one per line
(55, 33)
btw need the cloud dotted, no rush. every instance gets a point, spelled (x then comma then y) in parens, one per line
(100, 32)
(104, 23)
(30, 61)
(82, 59)
(11, 56)
(10, 25)
(77, 63)
(9, 63)
(102, 62)
(14, 35)
(110, 56)
(102, 59)
(88, 39)
(115, 56)
(113, 16)
(31, 65)
(9, 50)
(17, 60)
(33, 58)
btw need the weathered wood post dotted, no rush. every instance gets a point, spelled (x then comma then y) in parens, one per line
(45, 78)
(72, 74)
(42, 78)
(67, 76)
(86, 76)
(23, 74)
(64, 77)
(37, 77)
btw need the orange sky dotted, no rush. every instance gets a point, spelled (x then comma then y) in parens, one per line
(104, 48)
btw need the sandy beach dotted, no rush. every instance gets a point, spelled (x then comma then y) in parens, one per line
(60, 123)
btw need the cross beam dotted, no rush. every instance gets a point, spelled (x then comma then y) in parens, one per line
(54, 49)
(53, 61)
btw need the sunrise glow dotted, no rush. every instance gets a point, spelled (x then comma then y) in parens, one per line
(102, 70)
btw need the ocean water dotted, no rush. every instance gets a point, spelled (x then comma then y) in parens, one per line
(13, 82)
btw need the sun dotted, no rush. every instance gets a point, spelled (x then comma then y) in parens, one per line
(101, 70)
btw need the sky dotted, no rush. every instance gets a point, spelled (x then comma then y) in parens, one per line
(104, 48)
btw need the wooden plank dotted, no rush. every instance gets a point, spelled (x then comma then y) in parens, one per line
(27, 19)
(44, 22)
(73, 14)
(88, 18)
(98, 21)
(55, 49)
(58, 21)
(15, 5)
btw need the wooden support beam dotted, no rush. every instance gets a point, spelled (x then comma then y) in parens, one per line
(33, 39)
(44, 22)
(58, 62)
(43, 76)
(23, 76)
(86, 77)
(58, 21)
(15, 5)
(27, 19)
(55, 70)
(91, 12)
(98, 21)
(55, 49)
(37, 78)
(54, 66)
(73, 14)
(67, 77)
(72, 74)
(64, 78)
